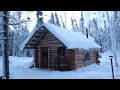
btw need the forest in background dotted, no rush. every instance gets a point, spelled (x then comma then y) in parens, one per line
(103, 27)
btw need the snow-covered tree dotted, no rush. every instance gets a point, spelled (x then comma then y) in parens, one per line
(89, 28)
(109, 31)
(24, 34)
(104, 38)
(52, 20)
(96, 30)
(76, 25)
(63, 24)
(115, 15)
(65, 17)
(39, 17)
(81, 23)
(57, 22)
(15, 33)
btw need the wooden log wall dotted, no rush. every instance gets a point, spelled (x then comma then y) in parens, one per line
(80, 60)
(93, 54)
(71, 58)
(49, 40)
(53, 55)
(64, 64)
(52, 42)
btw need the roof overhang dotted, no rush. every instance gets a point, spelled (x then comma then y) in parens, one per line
(33, 41)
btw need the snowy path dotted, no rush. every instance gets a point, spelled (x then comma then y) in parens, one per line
(19, 69)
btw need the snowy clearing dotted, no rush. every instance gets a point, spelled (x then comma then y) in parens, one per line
(19, 69)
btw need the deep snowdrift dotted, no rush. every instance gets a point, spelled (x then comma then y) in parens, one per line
(19, 69)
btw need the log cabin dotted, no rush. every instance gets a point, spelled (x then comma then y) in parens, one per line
(60, 49)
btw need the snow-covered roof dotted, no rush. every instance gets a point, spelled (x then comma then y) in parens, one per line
(68, 37)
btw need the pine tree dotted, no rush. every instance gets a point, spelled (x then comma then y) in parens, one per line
(104, 39)
(115, 15)
(81, 24)
(115, 35)
(114, 32)
(97, 32)
(76, 25)
(109, 31)
(89, 28)
(73, 25)
(63, 24)
(57, 20)
(39, 18)
(65, 17)
(52, 20)
(24, 34)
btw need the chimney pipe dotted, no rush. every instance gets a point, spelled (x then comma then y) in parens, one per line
(87, 33)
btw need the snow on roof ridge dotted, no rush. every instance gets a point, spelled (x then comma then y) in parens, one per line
(68, 37)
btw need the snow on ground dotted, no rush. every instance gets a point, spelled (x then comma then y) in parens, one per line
(19, 69)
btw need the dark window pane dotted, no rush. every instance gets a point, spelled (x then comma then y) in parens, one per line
(60, 51)
(87, 55)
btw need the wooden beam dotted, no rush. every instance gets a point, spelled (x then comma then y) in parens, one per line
(42, 36)
(34, 43)
(31, 38)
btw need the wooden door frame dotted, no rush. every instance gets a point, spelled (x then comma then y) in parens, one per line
(48, 55)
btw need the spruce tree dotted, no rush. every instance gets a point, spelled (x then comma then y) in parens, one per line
(57, 20)
(81, 23)
(52, 19)
(63, 24)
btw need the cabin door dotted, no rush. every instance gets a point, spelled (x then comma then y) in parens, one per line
(44, 57)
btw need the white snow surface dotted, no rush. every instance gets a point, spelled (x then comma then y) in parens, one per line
(19, 69)
(70, 38)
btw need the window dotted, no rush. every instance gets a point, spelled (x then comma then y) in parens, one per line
(60, 51)
(87, 55)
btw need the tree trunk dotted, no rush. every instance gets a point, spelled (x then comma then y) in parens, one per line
(5, 47)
